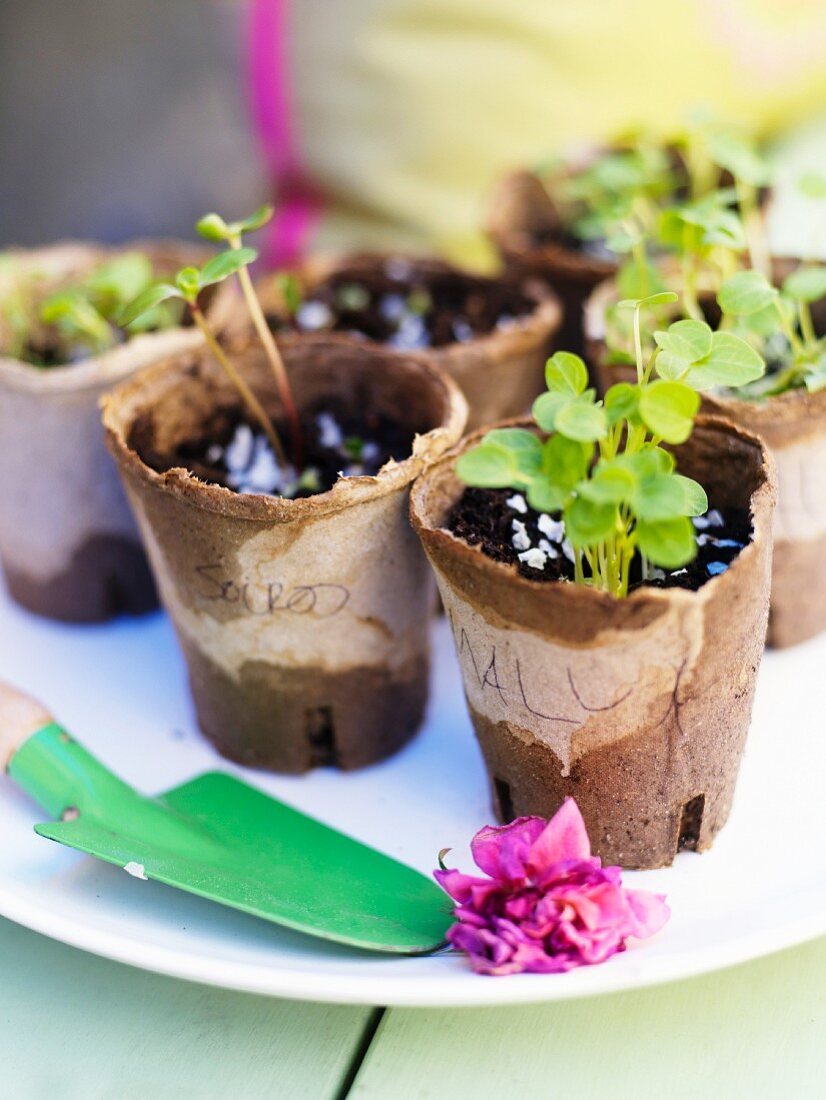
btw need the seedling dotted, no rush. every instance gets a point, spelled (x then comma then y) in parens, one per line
(187, 287)
(602, 466)
(214, 228)
(780, 323)
(80, 318)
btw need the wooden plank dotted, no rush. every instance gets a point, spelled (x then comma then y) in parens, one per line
(78, 1027)
(751, 1032)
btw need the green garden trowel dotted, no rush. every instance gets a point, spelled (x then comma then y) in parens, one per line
(221, 839)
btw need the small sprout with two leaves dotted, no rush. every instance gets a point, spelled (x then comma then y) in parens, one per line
(779, 322)
(601, 465)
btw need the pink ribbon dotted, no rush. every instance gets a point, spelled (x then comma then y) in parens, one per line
(298, 203)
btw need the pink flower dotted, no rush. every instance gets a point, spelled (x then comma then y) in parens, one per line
(548, 905)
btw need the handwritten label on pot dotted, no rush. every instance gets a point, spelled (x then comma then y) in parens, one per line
(321, 600)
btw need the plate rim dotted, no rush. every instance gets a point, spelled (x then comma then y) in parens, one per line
(475, 991)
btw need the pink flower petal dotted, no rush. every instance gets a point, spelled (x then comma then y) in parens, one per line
(502, 851)
(564, 837)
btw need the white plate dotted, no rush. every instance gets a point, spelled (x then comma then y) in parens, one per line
(121, 689)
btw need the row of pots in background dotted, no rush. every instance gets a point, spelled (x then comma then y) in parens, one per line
(67, 540)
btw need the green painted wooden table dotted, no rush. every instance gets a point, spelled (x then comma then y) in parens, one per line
(76, 1027)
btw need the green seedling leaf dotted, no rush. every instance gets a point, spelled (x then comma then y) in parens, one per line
(582, 420)
(148, 300)
(621, 402)
(806, 284)
(256, 220)
(611, 483)
(546, 408)
(732, 362)
(290, 289)
(685, 341)
(668, 410)
(487, 466)
(661, 298)
(188, 282)
(668, 543)
(587, 522)
(524, 447)
(647, 462)
(564, 462)
(667, 496)
(566, 374)
(225, 264)
(740, 158)
(214, 228)
(546, 497)
(114, 284)
(815, 377)
(745, 293)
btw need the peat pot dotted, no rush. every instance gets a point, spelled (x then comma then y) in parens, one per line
(303, 622)
(639, 707)
(501, 371)
(68, 543)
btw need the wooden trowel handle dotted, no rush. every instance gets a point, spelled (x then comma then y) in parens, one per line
(20, 717)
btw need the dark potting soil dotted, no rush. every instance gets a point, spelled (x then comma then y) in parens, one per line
(238, 455)
(502, 524)
(405, 307)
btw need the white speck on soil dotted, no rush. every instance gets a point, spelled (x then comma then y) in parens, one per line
(517, 503)
(330, 434)
(520, 540)
(312, 316)
(553, 528)
(534, 558)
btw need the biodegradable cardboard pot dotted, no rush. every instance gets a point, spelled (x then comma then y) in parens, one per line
(638, 707)
(303, 622)
(527, 231)
(793, 425)
(68, 542)
(499, 373)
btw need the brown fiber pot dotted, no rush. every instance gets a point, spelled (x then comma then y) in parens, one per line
(500, 374)
(521, 210)
(68, 543)
(793, 426)
(638, 708)
(303, 622)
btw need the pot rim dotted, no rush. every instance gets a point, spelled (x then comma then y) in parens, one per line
(428, 528)
(120, 361)
(346, 492)
(545, 317)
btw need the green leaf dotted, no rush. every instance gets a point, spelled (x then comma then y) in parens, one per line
(150, 298)
(667, 496)
(188, 281)
(744, 293)
(587, 523)
(564, 462)
(732, 363)
(582, 420)
(214, 228)
(487, 466)
(524, 447)
(546, 408)
(806, 284)
(225, 264)
(290, 289)
(647, 462)
(685, 340)
(610, 483)
(669, 543)
(662, 298)
(621, 402)
(260, 217)
(545, 497)
(740, 158)
(668, 410)
(114, 284)
(815, 377)
(566, 374)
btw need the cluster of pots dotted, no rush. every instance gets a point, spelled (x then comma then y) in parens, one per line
(304, 622)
